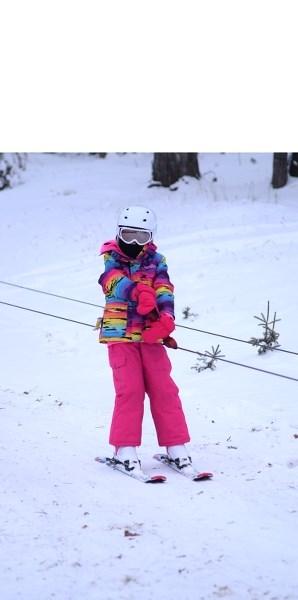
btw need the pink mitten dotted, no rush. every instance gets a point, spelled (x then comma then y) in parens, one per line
(146, 298)
(159, 329)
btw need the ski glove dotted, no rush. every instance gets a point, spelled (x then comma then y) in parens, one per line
(159, 329)
(145, 297)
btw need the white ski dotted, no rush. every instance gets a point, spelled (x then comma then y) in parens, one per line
(135, 473)
(185, 470)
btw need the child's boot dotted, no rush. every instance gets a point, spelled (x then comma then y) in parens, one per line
(127, 456)
(179, 455)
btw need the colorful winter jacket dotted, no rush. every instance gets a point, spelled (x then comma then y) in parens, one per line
(121, 322)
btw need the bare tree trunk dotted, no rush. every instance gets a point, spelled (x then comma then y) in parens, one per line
(293, 170)
(169, 167)
(280, 169)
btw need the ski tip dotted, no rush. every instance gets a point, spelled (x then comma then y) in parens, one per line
(204, 475)
(157, 479)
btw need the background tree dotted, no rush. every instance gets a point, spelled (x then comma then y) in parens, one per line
(11, 165)
(280, 169)
(100, 154)
(167, 168)
(293, 170)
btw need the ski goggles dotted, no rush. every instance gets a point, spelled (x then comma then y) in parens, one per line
(139, 236)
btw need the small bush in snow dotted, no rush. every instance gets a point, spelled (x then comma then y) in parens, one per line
(270, 336)
(208, 360)
(187, 314)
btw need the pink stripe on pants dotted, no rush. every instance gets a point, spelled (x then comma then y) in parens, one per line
(140, 368)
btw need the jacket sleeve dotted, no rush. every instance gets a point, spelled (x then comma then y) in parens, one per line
(164, 289)
(113, 280)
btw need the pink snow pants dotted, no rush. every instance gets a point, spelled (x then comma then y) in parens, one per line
(140, 368)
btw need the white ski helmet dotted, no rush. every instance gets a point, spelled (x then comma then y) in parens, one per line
(138, 217)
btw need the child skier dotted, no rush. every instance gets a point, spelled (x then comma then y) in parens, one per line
(138, 316)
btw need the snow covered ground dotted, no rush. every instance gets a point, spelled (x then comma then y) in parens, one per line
(72, 529)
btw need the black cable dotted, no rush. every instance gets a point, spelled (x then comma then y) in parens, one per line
(39, 312)
(239, 364)
(178, 347)
(23, 287)
(227, 337)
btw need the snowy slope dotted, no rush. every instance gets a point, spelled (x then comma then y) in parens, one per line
(73, 529)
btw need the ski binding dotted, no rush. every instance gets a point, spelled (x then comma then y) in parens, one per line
(134, 473)
(186, 470)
